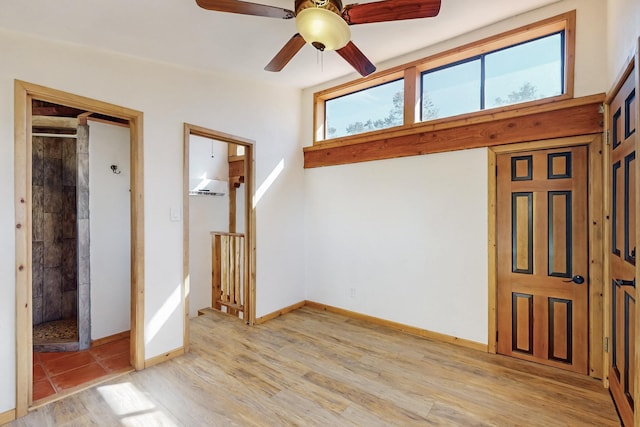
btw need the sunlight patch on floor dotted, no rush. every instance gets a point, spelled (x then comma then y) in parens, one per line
(132, 406)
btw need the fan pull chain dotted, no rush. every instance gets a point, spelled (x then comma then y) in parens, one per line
(320, 59)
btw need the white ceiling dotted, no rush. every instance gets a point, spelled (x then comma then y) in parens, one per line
(180, 32)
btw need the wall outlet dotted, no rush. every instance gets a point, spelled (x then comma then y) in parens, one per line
(352, 292)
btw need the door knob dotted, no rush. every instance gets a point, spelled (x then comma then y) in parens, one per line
(577, 279)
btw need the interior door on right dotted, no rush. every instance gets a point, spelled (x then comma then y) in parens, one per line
(622, 146)
(543, 259)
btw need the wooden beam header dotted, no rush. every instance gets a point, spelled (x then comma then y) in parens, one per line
(573, 117)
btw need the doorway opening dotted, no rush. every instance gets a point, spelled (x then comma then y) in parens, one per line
(76, 207)
(219, 233)
(80, 247)
(43, 220)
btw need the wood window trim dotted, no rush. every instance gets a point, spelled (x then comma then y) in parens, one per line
(411, 72)
(537, 122)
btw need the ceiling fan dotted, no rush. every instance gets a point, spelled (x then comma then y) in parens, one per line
(324, 24)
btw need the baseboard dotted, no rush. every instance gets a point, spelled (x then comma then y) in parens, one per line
(436, 336)
(163, 357)
(7, 417)
(280, 312)
(110, 338)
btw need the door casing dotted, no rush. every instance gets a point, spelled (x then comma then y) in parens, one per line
(24, 93)
(250, 220)
(595, 230)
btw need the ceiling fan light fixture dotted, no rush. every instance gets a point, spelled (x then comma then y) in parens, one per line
(322, 27)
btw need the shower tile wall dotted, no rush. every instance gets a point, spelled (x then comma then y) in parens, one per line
(83, 254)
(54, 267)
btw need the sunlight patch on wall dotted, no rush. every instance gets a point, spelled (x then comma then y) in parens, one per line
(170, 305)
(267, 183)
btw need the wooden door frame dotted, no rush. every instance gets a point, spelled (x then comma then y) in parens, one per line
(249, 215)
(632, 65)
(24, 93)
(595, 230)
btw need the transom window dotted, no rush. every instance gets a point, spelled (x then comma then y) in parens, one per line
(378, 107)
(524, 72)
(529, 64)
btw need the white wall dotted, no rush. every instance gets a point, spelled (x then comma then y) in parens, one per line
(278, 232)
(623, 30)
(168, 96)
(110, 229)
(206, 214)
(403, 240)
(409, 235)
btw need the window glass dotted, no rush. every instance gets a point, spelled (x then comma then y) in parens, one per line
(520, 73)
(455, 89)
(378, 107)
(525, 72)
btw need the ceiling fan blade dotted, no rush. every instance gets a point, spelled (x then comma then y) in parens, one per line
(390, 10)
(356, 58)
(287, 52)
(246, 8)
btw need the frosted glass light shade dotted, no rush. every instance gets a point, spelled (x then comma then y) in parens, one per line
(318, 25)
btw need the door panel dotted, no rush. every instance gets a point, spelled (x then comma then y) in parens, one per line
(622, 113)
(542, 245)
(522, 322)
(560, 315)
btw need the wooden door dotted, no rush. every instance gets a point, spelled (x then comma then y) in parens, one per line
(543, 257)
(622, 155)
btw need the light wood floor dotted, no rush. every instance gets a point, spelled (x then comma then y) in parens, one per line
(316, 368)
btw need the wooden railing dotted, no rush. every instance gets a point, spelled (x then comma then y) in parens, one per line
(227, 273)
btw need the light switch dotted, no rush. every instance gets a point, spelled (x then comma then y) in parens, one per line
(174, 214)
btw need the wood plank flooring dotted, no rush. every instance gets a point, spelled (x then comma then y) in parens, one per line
(316, 368)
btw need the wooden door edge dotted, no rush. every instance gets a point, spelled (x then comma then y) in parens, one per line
(597, 266)
(632, 65)
(636, 390)
(492, 242)
(627, 69)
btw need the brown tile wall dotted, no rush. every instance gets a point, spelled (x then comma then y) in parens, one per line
(54, 260)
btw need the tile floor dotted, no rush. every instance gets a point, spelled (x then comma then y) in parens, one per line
(56, 372)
